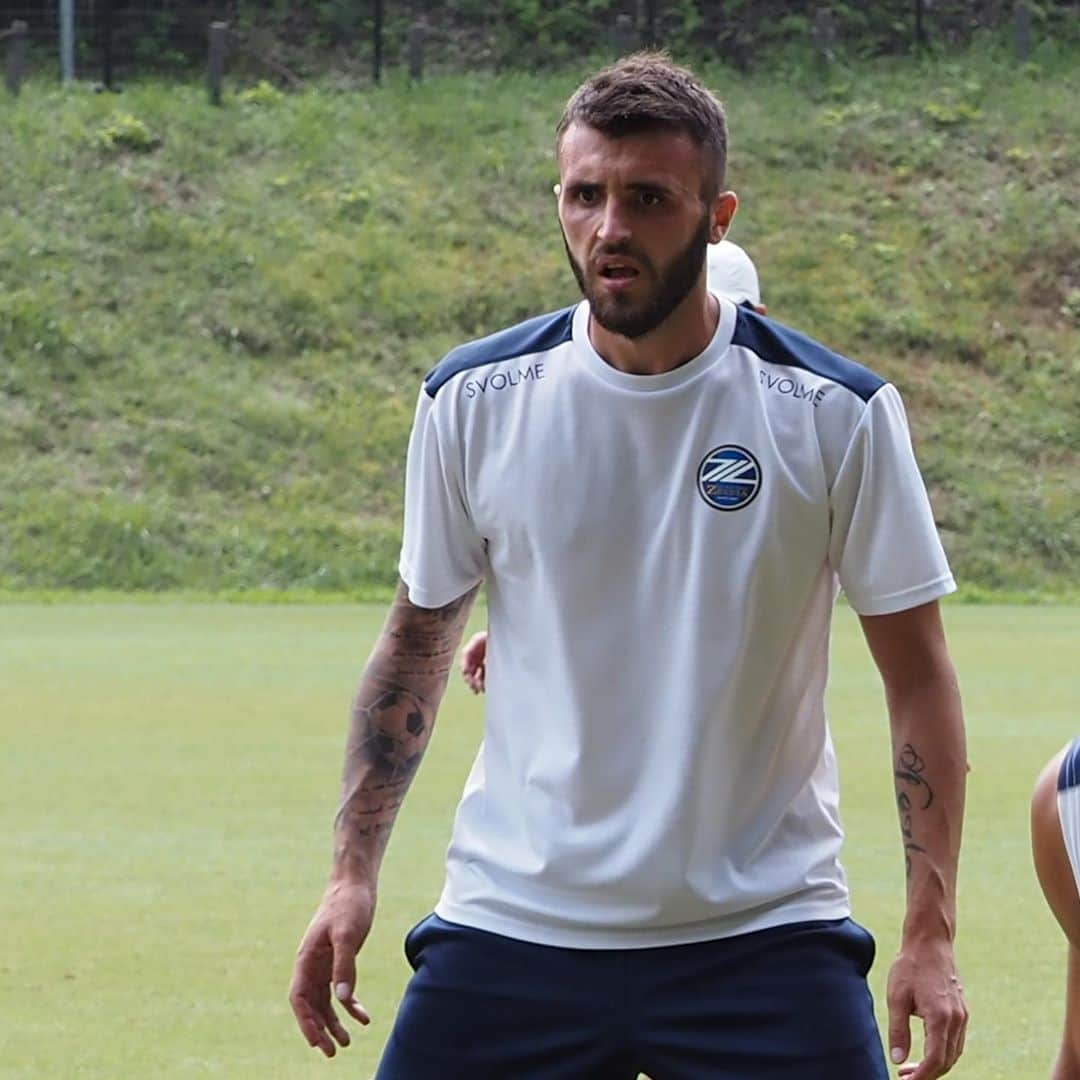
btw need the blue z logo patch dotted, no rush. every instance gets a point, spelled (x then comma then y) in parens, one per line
(729, 478)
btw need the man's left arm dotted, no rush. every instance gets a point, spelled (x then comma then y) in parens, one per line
(930, 767)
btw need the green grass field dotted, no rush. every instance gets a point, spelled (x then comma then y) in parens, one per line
(168, 774)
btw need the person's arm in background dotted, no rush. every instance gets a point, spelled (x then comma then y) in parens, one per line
(930, 767)
(392, 718)
(474, 662)
(1058, 880)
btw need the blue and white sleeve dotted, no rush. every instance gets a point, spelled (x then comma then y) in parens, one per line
(442, 555)
(884, 545)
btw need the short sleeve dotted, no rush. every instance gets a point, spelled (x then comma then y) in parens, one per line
(442, 556)
(884, 545)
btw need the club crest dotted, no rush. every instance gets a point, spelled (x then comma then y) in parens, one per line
(729, 478)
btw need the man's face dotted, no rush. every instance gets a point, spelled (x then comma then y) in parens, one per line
(634, 223)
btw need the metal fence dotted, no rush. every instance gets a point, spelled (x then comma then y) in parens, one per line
(108, 40)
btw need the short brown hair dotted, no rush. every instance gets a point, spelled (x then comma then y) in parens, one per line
(647, 91)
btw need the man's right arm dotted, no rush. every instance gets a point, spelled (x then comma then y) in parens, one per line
(392, 719)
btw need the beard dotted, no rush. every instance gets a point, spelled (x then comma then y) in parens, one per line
(635, 318)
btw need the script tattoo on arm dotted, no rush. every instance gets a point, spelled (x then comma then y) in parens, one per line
(913, 794)
(392, 718)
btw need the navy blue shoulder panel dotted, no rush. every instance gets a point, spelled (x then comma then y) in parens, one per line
(1069, 773)
(779, 344)
(533, 336)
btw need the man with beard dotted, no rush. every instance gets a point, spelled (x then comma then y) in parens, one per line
(729, 272)
(662, 492)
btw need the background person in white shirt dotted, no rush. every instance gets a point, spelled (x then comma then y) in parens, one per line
(662, 492)
(730, 272)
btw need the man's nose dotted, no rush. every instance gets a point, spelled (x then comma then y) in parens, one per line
(614, 223)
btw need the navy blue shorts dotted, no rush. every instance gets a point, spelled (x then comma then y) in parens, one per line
(778, 1004)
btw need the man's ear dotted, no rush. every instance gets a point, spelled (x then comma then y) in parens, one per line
(722, 213)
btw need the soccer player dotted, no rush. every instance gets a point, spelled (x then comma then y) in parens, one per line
(1055, 841)
(729, 272)
(662, 491)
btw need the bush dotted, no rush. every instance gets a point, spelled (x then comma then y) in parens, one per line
(126, 132)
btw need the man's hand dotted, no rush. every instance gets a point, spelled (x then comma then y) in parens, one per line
(923, 982)
(474, 663)
(327, 958)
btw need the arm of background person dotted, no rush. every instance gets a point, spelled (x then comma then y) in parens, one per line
(1053, 866)
(474, 662)
(393, 715)
(930, 766)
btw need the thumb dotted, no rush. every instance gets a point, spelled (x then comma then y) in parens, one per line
(344, 980)
(344, 971)
(899, 1031)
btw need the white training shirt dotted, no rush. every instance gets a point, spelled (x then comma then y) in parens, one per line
(661, 554)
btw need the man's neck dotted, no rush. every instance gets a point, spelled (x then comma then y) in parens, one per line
(684, 334)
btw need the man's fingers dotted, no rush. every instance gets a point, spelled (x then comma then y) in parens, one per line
(957, 1030)
(337, 1028)
(962, 1038)
(962, 1020)
(935, 1059)
(302, 995)
(474, 679)
(944, 1045)
(946, 1028)
(312, 1026)
(343, 992)
(899, 1029)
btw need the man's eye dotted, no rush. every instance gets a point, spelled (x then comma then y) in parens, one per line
(587, 196)
(650, 198)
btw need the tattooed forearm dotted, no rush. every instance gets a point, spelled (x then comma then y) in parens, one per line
(392, 719)
(911, 782)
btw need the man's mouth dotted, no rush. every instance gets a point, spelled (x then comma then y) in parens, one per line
(612, 268)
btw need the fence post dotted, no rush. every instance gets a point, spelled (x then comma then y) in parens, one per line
(105, 32)
(646, 10)
(378, 42)
(1022, 29)
(623, 37)
(414, 50)
(823, 33)
(16, 56)
(67, 40)
(219, 45)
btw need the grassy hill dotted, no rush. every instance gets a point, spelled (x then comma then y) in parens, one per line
(213, 322)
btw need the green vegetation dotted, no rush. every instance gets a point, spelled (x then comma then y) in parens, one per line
(169, 778)
(475, 35)
(213, 323)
